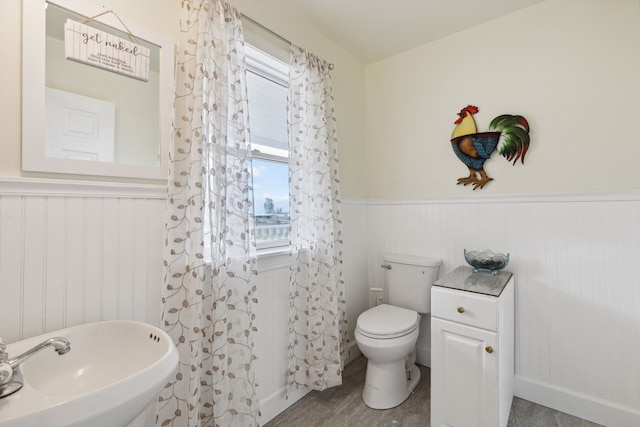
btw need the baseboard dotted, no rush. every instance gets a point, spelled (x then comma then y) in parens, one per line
(581, 405)
(353, 351)
(277, 402)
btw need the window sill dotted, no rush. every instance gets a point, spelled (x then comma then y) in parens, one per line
(267, 258)
(273, 258)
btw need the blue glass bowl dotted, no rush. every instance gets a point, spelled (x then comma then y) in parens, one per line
(486, 260)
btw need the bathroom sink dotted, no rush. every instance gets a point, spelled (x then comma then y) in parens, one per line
(114, 370)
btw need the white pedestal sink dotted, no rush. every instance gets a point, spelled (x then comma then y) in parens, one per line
(112, 373)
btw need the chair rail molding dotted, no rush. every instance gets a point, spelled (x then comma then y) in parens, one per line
(591, 196)
(12, 186)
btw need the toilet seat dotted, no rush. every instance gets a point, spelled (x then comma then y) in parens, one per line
(387, 321)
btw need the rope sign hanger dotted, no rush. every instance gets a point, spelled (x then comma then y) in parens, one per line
(129, 33)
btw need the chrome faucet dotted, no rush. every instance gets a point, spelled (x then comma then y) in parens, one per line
(60, 345)
(10, 375)
(5, 369)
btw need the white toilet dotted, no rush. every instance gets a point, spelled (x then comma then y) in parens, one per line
(387, 334)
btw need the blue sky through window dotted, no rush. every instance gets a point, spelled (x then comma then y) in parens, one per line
(270, 180)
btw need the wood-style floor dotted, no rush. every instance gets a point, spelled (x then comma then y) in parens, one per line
(343, 407)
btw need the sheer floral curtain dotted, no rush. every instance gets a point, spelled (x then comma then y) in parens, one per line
(207, 308)
(317, 319)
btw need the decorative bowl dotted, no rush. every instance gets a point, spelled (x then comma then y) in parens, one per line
(486, 260)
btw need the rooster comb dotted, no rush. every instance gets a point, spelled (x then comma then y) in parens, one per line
(470, 109)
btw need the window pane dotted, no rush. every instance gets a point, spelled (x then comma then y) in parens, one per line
(271, 199)
(268, 115)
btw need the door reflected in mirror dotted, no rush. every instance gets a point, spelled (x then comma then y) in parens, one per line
(79, 127)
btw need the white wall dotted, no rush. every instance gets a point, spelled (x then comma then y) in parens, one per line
(10, 86)
(348, 76)
(570, 67)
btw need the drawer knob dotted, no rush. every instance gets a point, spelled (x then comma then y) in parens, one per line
(489, 349)
(460, 309)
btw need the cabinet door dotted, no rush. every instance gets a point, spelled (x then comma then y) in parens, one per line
(464, 375)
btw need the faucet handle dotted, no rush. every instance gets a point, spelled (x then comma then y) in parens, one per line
(6, 373)
(2, 346)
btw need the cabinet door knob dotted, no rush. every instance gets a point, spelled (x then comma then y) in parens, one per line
(489, 349)
(460, 309)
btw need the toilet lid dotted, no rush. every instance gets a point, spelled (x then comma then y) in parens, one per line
(387, 321)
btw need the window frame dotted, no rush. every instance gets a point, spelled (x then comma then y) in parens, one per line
(268, 67)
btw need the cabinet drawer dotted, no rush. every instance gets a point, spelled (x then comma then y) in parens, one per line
(465, 307)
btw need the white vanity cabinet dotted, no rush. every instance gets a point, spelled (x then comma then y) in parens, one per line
(472, 349)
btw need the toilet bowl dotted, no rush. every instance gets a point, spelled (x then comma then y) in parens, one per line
(387, 336)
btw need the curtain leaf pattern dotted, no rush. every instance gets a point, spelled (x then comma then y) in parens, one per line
(209, 256)
(317, 317)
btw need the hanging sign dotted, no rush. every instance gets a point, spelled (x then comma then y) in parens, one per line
(103, 50)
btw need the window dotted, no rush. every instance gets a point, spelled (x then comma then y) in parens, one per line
(267, 86)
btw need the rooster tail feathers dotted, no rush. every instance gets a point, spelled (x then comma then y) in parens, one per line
(506, 120)
(514, 137)
(513, 144)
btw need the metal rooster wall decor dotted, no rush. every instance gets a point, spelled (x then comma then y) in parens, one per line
(509, 134)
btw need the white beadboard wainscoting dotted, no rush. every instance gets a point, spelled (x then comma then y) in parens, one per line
(79, 252)
(577, 274)
(74, 253)
(77, 257)
(272, 311)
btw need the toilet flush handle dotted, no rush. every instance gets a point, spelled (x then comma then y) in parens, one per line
(386, 266)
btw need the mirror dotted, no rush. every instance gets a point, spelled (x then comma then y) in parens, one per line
(92, 119)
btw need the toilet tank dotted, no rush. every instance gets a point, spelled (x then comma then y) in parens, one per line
(409, 279)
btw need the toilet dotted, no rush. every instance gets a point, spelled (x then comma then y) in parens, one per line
(387, 333)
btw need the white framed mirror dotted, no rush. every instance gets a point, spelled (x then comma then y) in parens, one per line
(83, 119)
